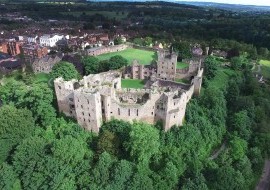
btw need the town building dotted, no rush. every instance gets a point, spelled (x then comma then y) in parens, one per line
(50, 40)
(11, 47)
(33, 51)
(8, 63)
(32, 39)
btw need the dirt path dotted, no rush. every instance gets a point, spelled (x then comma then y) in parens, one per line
(215, 155)
(264, 183)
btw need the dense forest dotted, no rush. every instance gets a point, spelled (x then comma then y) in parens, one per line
(221, 145)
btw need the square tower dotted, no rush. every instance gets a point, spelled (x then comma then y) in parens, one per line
(166, 65)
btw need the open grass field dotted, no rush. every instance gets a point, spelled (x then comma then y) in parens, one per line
(181, 65)
(132, 83)
(220, 80)
(143, 56)
(265, 65)
(109, 14)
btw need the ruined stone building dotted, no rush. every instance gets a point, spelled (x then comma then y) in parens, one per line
(99, 97)
(165, 68)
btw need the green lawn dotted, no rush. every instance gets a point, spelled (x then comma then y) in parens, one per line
(41, 78)
(220, 80)
(144, 57)
(181, 65)
(265, 68)
(132, 83)
(185, 81)
(109, 14)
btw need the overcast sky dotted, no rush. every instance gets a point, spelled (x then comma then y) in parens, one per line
(244, 2)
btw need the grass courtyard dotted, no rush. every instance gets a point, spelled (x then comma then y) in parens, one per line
(144, 57)
(265, 66)
(132, 83)
(181, 65)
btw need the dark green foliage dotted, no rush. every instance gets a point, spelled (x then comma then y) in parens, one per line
(138, 41)
(108, 142)
(117, 62)
(121, 174)
(238, 147)
(91, 65)
(194, 183)
(211, 66)
(241, 125)
(238, 63)
(101, 171)
(148, 41)
(118, 41)
(227, 178)
(38, 99)
(143, 142)
(15, 125)
(65, 70)
(8, 178)
(183, 49)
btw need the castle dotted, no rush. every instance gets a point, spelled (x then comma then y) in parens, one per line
(99, 97)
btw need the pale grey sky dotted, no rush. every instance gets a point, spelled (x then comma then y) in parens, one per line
(244, 2)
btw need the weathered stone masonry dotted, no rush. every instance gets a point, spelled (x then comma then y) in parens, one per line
(97, 98)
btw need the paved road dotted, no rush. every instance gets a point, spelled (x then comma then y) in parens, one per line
(264, 183)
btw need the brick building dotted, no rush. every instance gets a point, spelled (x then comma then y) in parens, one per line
(33, 51)
(11, 47)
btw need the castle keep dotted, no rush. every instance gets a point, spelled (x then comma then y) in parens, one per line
(99, 97)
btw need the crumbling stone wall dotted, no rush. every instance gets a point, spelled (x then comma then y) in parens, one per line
(105, 49)
(97, 98)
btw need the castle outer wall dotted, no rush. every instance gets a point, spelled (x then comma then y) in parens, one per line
(98, 98)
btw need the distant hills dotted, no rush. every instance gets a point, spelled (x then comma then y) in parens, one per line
(235, 7)
(232, 7)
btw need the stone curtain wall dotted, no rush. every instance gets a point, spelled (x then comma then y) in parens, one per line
(106, 49)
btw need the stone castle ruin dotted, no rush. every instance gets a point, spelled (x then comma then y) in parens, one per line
(99, 97)
(165, 68)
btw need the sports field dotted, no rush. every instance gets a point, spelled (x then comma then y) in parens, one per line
(132, 83)
(265, 66)
(144, 57)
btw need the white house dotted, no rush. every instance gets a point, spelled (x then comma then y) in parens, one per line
(50, 40)
(32, 39)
